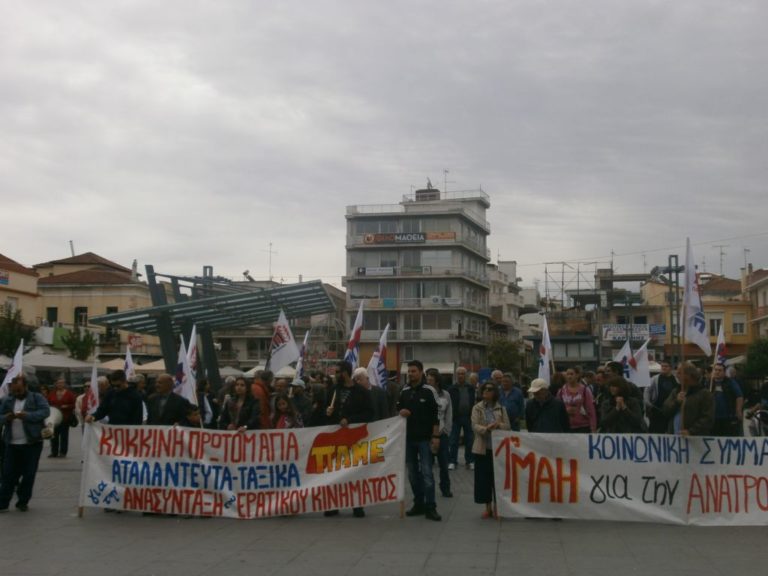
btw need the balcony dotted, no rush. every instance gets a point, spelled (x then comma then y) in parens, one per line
(416, 271)
(761, 312)
(432, 240)
(431, 302)
(402, 335)
(412, 207)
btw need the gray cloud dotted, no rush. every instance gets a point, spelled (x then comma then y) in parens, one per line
(188, 134)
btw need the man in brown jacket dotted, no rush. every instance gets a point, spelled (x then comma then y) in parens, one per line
(690, 408)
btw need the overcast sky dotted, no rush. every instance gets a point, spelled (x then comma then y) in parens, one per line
(184, 133)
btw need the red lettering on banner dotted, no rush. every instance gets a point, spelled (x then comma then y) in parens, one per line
(540, 474)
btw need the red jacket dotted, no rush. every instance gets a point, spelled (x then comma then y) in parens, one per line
(66, 404)
(259, 392)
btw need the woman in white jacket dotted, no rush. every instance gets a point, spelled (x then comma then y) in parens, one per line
(487, 415)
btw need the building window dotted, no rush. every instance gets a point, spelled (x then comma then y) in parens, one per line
(81, 316)
(52, 315)
(739, 323)
(11, 304)
(641, 320)
(714, 325)
(111, 333)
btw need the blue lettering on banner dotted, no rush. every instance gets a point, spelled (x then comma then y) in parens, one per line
(639, 448)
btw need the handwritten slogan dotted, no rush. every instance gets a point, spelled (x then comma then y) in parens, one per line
(255, 474)
(640, 478)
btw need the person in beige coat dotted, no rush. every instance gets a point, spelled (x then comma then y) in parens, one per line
(487, 415)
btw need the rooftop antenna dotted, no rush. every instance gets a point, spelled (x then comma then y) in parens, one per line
(445, 180)
(722, 248)
(270, 251)
(746, 252)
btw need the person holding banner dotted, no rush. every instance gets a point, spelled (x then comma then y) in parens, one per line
(351, 403)
(23, 413)
(241, 411)
(690, 408)
(487, 415)
(655, 395)
(164, 408)
(122, 404)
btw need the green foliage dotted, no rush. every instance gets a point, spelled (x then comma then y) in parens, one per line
(80, 343)
(12, 331)
(504, 355)
(757, 359)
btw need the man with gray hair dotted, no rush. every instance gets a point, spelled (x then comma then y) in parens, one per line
(379, 398)
(690, 407)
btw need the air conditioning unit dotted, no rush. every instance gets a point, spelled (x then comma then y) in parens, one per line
(436, 300)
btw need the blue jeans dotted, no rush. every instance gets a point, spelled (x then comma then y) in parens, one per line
(19, 468)
(442, 461)
(418, 459)
(460, 423)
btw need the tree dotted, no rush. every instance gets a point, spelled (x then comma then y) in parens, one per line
(12, 331)
(80, 343)
(504, 355)
(757, 359)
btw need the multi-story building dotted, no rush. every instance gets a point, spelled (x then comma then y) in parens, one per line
(506, 302)
(755, 288)
(76, 288)
(420, 266)
(18, 290)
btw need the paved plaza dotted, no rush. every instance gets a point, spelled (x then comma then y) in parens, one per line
(51, 539)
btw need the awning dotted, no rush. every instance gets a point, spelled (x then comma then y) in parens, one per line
(262, 306)
(37, 358)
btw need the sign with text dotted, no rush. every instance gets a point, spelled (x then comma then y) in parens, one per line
(632, 477)
(251, 474)
(622, 332)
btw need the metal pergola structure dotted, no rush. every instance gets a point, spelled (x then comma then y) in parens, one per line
(214, 304)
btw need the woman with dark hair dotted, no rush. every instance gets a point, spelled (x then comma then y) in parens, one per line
(241, 411)
(286, 415)
(578, 403)
(620, 412)
(487, 415)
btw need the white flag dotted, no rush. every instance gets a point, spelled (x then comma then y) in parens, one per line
(640, 367)
(13, 370)
(283, 350)
(183, 382)
(192, 352)
(377, 367)
(130, 369)
(721, 349)
(302, 352)
(692, 319)
(545, 353)
(623, 356)
(92, 394)
(352, 355)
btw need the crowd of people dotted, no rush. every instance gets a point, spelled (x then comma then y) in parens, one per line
(442, 415)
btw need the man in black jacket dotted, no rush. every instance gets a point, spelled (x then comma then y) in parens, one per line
(164, 408)
(545, 413)
(350, 404)
(121, 404)
(422, 439)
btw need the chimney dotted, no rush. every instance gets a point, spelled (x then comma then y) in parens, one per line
(135, 271)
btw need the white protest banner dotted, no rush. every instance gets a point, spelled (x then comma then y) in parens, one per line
(632, 477)
(252, 474)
